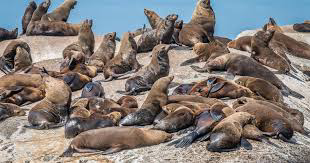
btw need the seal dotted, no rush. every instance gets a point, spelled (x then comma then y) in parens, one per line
(73, 65)
(77, 111)
(56, 28)
(227, 134)
(128, 102)
(93, 89)
(161, 35)
(25, 80)
(242, 43)
(177, 28)
(40, 11)
(9, 110)
(183, 89)
(75, 80)
(158, 67)
(156, 99)
(22, 60)
(302, 27)
(264, 55)
(272, 26)
(192, 34)
(192, 98)
(115, 139)
(104, 53)
(261, 87)
(32, 6)
(125, 62)
(8, 35)
(154, 19)
(62, 12)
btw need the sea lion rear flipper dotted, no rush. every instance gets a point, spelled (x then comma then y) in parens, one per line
(68, 152)
(292, 141)
(216, 87)
(205, 137)
(190, 61)
(187, 140)
(246, 144)
(199, 69)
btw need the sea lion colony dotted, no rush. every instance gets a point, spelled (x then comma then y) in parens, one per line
(258, 113)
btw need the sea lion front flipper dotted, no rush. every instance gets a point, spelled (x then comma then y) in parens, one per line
(246, 144)
(204, 138)
(68, 152)
(216, 87)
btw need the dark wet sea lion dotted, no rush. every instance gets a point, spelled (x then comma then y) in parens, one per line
(272, 25)
(125, 62)
(177, 28)
(105, 52)
(156, 99)
(75, 80)
(92, 89)
(8, 35)
(40, 11)
(159, 67)
(62, 12)
(115, 139)
(266, 56)
(9, 110)
(57, 28)
(32, 6)
(242, 43)
(261, 87)
(128, 102)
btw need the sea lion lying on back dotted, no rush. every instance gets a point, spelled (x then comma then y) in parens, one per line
(32, 6)
(9, 110)
(62, 12)
(115, 139)
(105, 52)
(272, 26)
(303, 27)
(242, 43)
(156, 99)
(158, 68)
(125, 62)
(8, 35)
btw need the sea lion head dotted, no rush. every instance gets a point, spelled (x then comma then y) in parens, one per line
(179, 119)
(178, 24)
(240, 102)
(232, 44)
(14, 33)
(92, 89)
(72, 3)
(204, 3)
(32, 4)
(172, 17)
(162, 53)
(86, 26)
(149, 13)
(183, 89)
(241, 81)
(128, 102)
(272, 25)
(110, 36)
(46, 4)
(115, 117)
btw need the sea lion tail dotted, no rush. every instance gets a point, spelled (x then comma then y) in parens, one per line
(199, 69)
(190, 61)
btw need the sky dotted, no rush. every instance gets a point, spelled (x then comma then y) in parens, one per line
(232, 16)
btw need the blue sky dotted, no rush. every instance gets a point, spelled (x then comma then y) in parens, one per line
(232, 16)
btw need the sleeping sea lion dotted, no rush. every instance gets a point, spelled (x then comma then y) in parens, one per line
(57, 28)
(24, 95)
(242, 43)
(9, 110)
(128, 102)
(302, 27)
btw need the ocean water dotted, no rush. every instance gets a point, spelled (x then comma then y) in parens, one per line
(232, 16)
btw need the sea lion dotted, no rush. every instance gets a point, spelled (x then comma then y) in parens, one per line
(204, 124)
(53, 110)
(25, 80)
(9, 110)
(56, 28)
(24, 95)
(40, 11)
(268, 120)
(8, 35)
(266, 56)
(192, 34)
(128, 102)
(32, 6)
(115, 139)
(79, 112)
(75, 80)
(125, 62)
(192, 98)
(183, 89)
(177, 28)
(62, 12)
(105, 52)
(92, 89)
(227, 134)
(22, 59)
(154, 19)
(158, 67)
(272, 25)
(242, 65)
(303, 27)
(261, 87)
(156, 99)
(242, 43)
(73, 65)
(161, 35)
(218, 87)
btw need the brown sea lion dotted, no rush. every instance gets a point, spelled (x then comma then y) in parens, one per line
(115, 139)
(266, 56)
(62, 12)
(75, 80)
(92, 89)
(128, 102)
(105, 52)
(250, 131)
(154, 19)
(218, 87)
(192, 34)
(192, 98)
(8, 35)
(73, 65)
(223, 40)
(261, 87)
(22, 59)
(158, 67)
(26, 80)
(227, 134)
(303, 27)
(125, 62)
(183, 89)
(161, 35)
(24, 95)
(9, 110)
(269, 120)
(177, 28)
(156, 99)
(56, 28)
(204, 124)
(40, 11)
(79, 112)
(242, 43)
(272, 25)
(32, 6)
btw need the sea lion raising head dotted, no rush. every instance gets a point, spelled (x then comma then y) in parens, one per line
(62, 12)
(32, 6)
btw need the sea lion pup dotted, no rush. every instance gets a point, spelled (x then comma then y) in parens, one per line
(154, 19)
(272, 26)
(8, 35)
(159, 67)
(40, 11)
(75, 80)
(242, 43)
(9, 110)
(183, 89)
(32, 6)
(242, 65)
(156, 99)
(125, 62)
(264, 55)
(218, 87)
(26, 95)
(261, 87)
(268, 120)
(53, 110)
(104, 53)
(161, 35)
(128, 102)
(303, 27)
(92, 89)
(86, 41)
(204, 124)
(62, 12)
